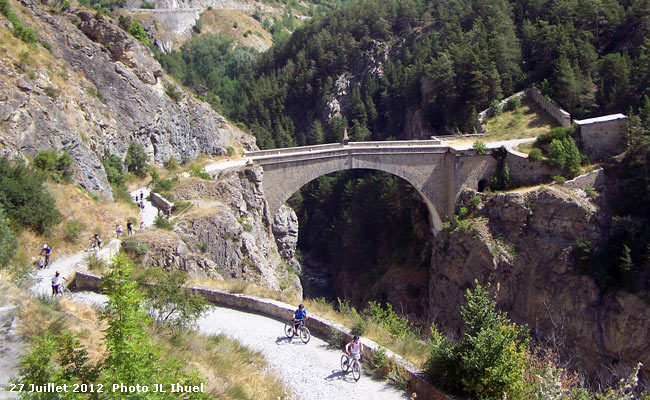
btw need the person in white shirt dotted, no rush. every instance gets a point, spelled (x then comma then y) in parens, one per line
(355, 347)
(57, 281)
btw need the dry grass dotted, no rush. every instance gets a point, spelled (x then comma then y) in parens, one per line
(413, 350)
(235, 24)
(236, 286)
(232, 371)
(77, 205)
(39, 315)
(529, 120)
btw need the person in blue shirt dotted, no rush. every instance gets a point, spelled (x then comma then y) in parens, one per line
(298, 316)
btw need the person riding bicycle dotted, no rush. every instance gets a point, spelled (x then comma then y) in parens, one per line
(57, 282)
(299, 316)
(98, 241)
(355, 347)
(46, 250)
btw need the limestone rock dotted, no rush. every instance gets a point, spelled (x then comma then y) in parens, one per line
(100, 89)
(232, 225)
(285, 230)
(168, 252)
(522, 246)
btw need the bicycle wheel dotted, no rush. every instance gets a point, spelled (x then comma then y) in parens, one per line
(288, 329)
(356, 370)
(345, 362)
(305, 335)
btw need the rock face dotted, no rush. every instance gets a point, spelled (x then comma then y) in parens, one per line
(167, 251)
(521, 244)
(233, 229)
(285, 231)
(99, 89)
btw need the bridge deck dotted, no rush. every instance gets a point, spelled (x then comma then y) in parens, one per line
(339, 146)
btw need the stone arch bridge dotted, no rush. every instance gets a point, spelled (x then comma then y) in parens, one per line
(437, 172)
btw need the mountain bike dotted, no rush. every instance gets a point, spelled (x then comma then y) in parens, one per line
(349, 362)
(301, 330)
(92, 246)
(64, 291)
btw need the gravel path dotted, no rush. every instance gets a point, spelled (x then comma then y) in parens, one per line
(312, 371)
(149, 213)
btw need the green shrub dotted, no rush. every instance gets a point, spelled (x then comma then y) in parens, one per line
(495, 109)
(23, 33)
(163, 223)
(204, 247)
(336, 339)
(164, 185)
(559, 179)
(479, 147)
(173, 94)
(72, 229)
(557, 133)
(138, 32)
(591, 192)
(513, 104)
(379, 363)
(114, 168)
(489, 361)
(557, 154)
(150, 5)
(132, 246)
(397, 326)
(57, 166)
(95, 262)
(51, 92)
(230, 150)
(25, 201)
(8, 242)
(136, 160)
(199, 172)
(171, 164)
(535, 154)
(358, 327)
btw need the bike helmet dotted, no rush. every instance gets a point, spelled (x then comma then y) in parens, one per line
(301, 306)
(44, 246)
(356, 337)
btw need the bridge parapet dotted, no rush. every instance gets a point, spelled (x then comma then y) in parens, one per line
(330, 146)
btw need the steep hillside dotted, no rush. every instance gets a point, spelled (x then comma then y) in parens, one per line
(97, 90)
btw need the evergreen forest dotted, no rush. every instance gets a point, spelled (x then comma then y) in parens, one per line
(447, 60)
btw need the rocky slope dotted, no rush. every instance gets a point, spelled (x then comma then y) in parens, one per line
(99, 89)
(521, 243)
(230, 234)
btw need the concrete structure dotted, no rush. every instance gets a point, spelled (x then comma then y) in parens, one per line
(163, 205)
(601, 136)
(437, 172)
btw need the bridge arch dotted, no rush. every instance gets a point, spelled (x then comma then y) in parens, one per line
(437, 172)
(293, 185)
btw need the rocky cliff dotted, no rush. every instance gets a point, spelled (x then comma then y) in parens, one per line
(231, 228)
(98, 89)
(522, 244)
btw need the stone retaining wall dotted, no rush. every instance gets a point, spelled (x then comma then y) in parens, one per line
(560, 115)
(283, 312)
(525, 171)
(594, 179)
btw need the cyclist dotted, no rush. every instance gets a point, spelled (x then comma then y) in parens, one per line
(46, 250)
(57, 282)
(98, 241)
(355, 347)
(118, 230)
(299, 316)
(129, 227)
